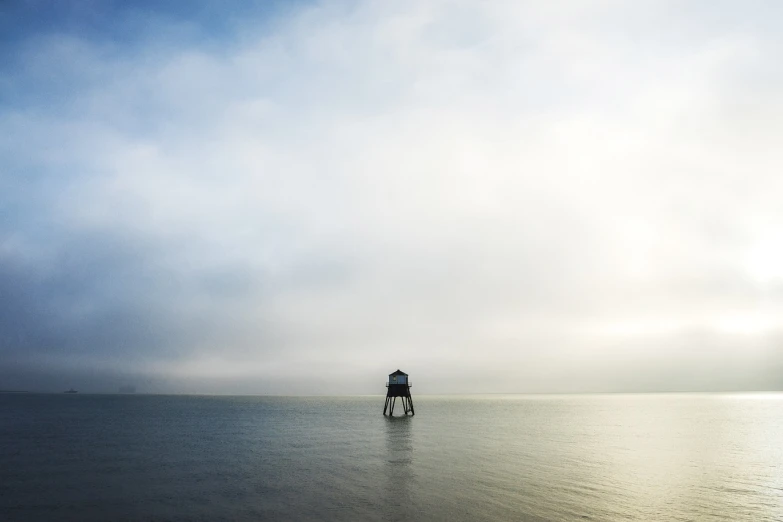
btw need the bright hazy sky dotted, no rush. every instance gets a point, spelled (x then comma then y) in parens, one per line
(302, 197)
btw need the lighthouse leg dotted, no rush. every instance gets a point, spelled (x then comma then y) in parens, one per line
(385, 405)
(410, 403)
(394, 401)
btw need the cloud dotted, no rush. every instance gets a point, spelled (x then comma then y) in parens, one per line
(546, 197)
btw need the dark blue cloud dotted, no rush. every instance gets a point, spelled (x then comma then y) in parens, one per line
(115, 30)
(92, 293)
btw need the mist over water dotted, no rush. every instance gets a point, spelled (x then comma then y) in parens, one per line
(591, 457)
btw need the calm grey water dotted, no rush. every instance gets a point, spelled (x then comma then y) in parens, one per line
(597, 457)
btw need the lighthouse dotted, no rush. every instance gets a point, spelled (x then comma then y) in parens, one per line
(398, 386)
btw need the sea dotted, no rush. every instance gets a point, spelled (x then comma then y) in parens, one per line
(646, 457)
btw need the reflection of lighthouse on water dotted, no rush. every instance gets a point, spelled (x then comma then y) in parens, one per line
(399, 457)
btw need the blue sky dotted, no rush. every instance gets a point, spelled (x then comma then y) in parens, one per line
(287, 197)
(132, 23)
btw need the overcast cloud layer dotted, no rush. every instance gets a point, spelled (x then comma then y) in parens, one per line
(522, 196)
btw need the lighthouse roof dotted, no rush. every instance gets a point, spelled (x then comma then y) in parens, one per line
(398, 372)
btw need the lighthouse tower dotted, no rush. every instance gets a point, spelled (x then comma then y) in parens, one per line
(398, 386)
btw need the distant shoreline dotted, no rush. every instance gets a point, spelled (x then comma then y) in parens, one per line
(481, 394)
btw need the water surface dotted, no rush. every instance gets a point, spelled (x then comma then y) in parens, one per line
(592, 457)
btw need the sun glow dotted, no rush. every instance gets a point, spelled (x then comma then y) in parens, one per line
(764, 261)
(747, 324)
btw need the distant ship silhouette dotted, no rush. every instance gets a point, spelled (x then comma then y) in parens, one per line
(71, 391)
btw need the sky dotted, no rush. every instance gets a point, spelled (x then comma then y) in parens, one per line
(302, 197)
